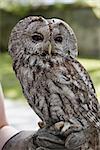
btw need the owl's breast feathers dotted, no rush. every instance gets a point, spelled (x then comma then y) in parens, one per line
(62, 91)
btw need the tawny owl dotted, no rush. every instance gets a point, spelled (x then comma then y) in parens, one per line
(56, 85)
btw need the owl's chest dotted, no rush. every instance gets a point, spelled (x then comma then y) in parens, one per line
(55, 88)
(52, 89)
(62, 81)
(49, 78)
(51, 92)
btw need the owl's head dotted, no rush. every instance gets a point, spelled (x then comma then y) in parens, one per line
(38, 36)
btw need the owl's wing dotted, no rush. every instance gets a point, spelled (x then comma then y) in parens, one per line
(89, 105)
(85, 76)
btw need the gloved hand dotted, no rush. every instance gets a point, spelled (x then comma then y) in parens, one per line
(47, 140)
(75, 140)
(76, 137)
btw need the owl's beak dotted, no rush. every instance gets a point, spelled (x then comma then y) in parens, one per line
(47, 47)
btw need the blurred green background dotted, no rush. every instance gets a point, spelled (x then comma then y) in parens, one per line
(82, 15)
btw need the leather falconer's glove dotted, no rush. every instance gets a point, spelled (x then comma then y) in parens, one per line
(43, 139)
(47, 140)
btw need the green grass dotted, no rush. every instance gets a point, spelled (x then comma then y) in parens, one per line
(12, 87)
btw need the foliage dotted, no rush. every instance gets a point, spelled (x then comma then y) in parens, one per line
(14, 6)
(12, 87)
(23, 6)
(95, 4)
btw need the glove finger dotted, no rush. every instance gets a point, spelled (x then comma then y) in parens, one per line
(49, 142)
(75, 140)
(47, 139)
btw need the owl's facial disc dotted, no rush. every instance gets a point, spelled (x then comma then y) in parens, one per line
(42, 37)
(65, 42)
(36, 37)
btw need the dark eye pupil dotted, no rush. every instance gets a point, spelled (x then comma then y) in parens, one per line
(37, 38)
(58, 39)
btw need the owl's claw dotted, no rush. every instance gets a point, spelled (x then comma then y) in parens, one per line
(68, 129)
(59, 125)
(73, 134)
(41, 124)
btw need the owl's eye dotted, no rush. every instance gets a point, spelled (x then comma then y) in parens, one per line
(58, 39)
(37, 37)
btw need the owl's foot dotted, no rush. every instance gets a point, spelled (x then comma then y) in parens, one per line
(41, 124)
(75, 140)
(59, 125)
(67, 128)
(73, 134)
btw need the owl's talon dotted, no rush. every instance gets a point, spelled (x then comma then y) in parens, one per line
(59, 125)
(65, 127)
(68, 129)
(41, 124)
